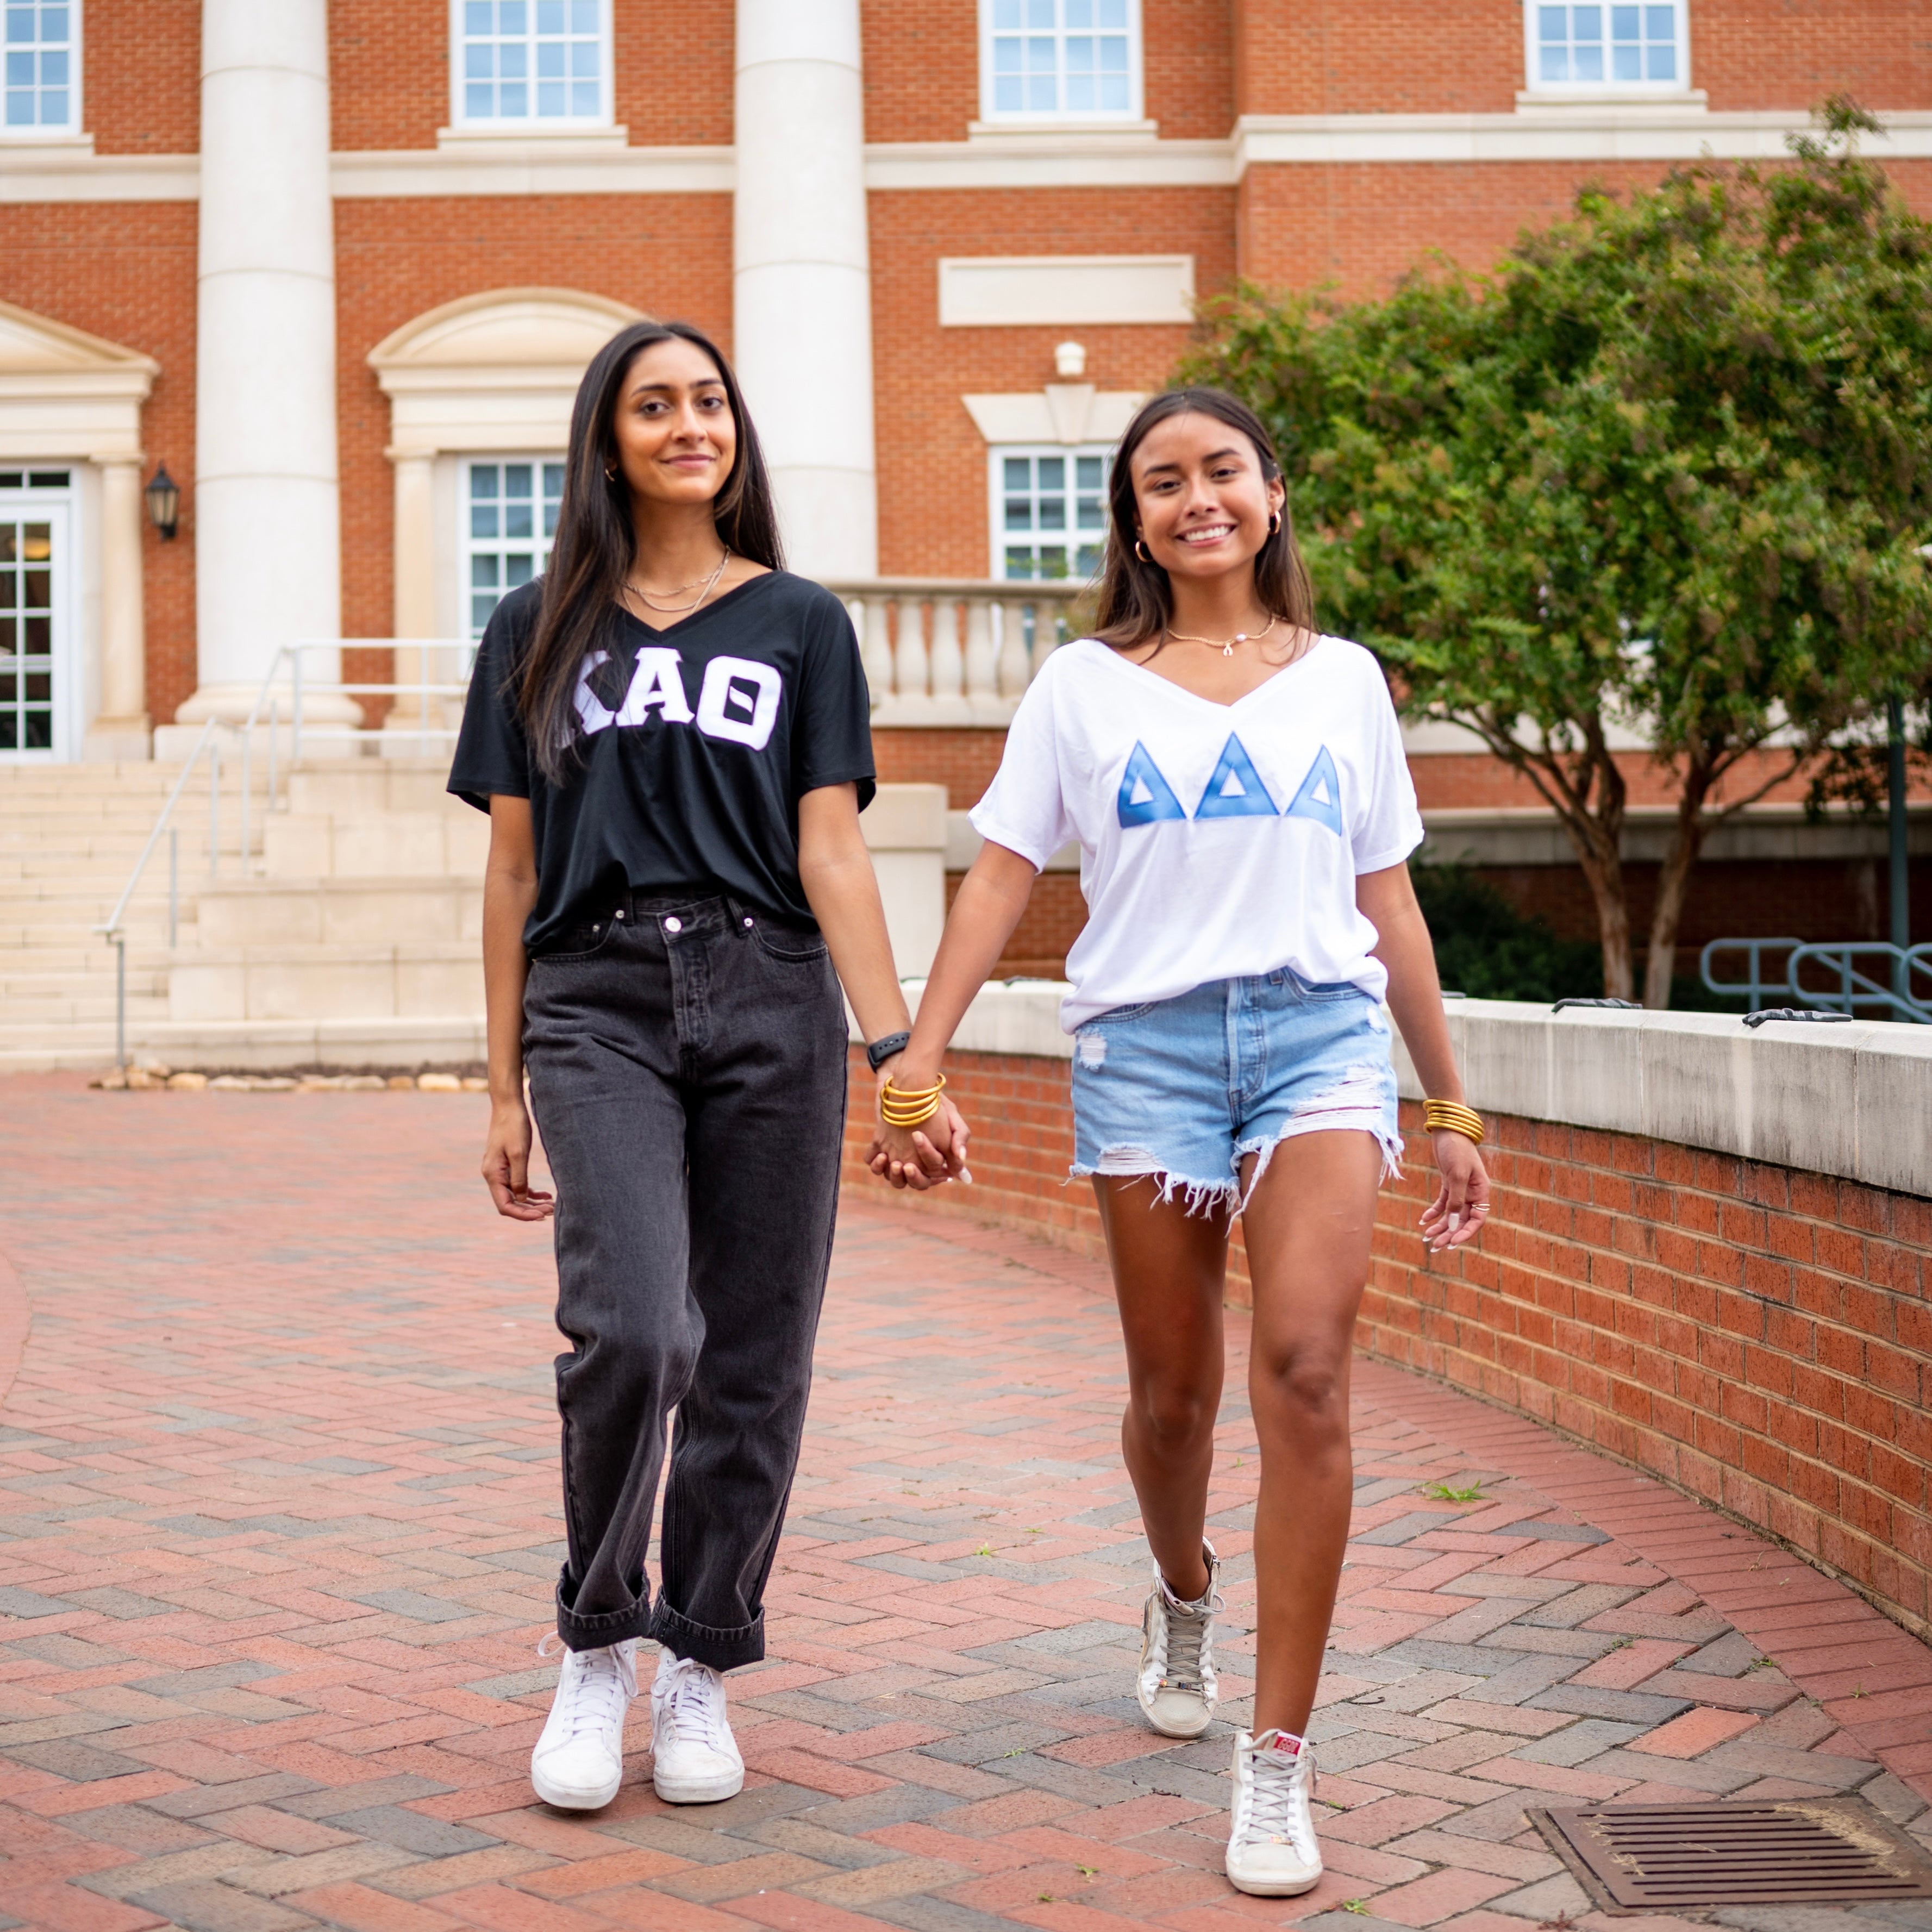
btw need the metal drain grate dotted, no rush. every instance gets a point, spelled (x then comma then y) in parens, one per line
(1792, 1851)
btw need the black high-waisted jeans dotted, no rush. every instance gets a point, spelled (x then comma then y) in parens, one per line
(687, 1064)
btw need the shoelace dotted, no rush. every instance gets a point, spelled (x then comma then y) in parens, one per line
(606, 1681)
(1272, 1812)
(692, 1705)
(1187, 1637)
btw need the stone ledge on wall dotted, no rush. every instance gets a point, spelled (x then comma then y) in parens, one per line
(1850, 1098)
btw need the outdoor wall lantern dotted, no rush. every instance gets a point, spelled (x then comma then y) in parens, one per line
(163, 496)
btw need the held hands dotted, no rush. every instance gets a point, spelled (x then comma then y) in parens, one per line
(927, 1156)
(506, 1164)
(1461, 1204)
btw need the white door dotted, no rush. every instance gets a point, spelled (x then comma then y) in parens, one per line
(38, 657)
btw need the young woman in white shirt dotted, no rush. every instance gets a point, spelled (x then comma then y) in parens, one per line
(1237, 784)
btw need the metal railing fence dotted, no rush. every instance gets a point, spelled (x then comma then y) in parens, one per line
(1904, 993)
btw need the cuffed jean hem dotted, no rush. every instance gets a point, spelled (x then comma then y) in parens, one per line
(580, 1632)
(722, 1649)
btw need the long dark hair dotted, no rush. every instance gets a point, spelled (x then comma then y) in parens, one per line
(1136, 598)
(596, 544)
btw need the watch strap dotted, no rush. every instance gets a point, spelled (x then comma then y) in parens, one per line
(881, 1050)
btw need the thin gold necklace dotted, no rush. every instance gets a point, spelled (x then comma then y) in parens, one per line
(1225, 645)
(677, 609)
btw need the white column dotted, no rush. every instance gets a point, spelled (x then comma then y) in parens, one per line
(802, 296)
(414, 574)
(268, 526)
(120, 729)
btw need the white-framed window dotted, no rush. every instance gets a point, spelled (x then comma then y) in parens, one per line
(1049, 507)
(42, 60)
(1060, 60)
(37, 699)
(525, 63)
(510, 506)
(1607, 50)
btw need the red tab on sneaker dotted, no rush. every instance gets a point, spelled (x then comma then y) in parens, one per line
(1288, 1746)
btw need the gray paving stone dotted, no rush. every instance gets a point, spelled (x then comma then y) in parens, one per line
(1552, 1532)
(1730, 1655)
(332, 1800)
(934, 1915)
(411, 1603)
(209, 1677)
(1471, 1660)
(1586, 1600)
(1550, 1898)
(1580, 1645)
(837, 1848)
(1695, 1773)
(124, 1604)
(1522, 1680)
(275, 1787)
(411, 1830)
(1405, 1529)
(16, 1602)
(1577, 1742)
(1626, 1707)
(68, 1757)
(210, 1907)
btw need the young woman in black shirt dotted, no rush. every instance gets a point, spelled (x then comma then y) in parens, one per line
(671, 736)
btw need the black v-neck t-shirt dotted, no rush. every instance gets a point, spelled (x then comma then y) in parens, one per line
(695, 744)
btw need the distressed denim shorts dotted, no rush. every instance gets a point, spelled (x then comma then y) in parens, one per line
(1185, 1088)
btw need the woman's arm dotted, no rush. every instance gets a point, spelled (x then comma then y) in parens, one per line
(509, 892)
(990, 899)
(835, 869)
(1386, 899)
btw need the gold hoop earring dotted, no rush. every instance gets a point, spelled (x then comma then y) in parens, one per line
(610, 472)
(1141, 550)
(1274, 522)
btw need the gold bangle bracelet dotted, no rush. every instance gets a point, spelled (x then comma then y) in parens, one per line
(898, 1108)
(1452, 1116)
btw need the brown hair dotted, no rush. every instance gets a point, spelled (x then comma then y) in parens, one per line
(595, 540)
(1136, 599)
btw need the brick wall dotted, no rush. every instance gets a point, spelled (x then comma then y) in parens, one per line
(1758, 1337)
(126, 271)
(1378, 56)
(666, 254)
(389, 72)
(933, 517)
(141, 88)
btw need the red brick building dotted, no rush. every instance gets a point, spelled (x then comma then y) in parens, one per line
(336, 264)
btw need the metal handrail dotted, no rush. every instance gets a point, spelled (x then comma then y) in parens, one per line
(1855, 989)
(111, 929)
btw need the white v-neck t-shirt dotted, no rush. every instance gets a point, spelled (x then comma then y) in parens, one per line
(1217, 841)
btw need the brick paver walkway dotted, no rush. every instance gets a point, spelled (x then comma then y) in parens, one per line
(276, 1473)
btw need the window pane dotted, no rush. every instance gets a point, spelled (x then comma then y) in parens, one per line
(1019, 563)
(1019, 472)
(1553, 23)
(1006, 13)
(550, 17)
(1086, 472)
(1627, 63)
(1074, 56)
(1040, 14)
(1623, 23)
(1053, 513)
(1052, 472)
(551, 55)
(1587, 23)
(1664, 63)
(1589, 63)
(584, 16)
(1660, 23)
(1019, 514)
(1080, 13)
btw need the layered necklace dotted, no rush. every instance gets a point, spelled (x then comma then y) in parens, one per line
(703, 587)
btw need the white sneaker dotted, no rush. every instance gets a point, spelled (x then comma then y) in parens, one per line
(694, 1758)
(579, 1761)
(1177, 1686)
(1272, 1850)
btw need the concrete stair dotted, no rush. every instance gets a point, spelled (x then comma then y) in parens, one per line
(355, 938)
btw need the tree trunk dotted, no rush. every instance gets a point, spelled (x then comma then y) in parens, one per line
(1602, 865)
(1673, 886)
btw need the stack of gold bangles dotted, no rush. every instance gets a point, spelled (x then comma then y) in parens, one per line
(899, 1108)
(1452, 1115)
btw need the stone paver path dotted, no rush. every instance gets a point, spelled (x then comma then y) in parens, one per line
(276, 1476)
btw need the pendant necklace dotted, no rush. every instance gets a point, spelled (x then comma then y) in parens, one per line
(1226, 645)
(678, 610)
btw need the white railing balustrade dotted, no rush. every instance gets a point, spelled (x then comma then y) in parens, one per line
(951, 650)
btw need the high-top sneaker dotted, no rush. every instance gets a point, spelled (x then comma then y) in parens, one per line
(694, 1758)
(579, 1760)
(1177, 1685)
(1272, 1850)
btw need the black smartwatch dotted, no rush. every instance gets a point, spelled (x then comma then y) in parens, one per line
(881, 1050)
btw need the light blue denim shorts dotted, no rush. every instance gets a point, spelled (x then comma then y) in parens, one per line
(1186, 1088)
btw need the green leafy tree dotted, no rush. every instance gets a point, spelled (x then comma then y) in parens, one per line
(1662, 479)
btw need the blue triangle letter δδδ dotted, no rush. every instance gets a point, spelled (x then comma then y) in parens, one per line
(1145, 796)
(1320, 797)
(1235, 790)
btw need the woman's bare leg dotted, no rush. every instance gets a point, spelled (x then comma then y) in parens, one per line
(1169, 1269)
(1308, 1227)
